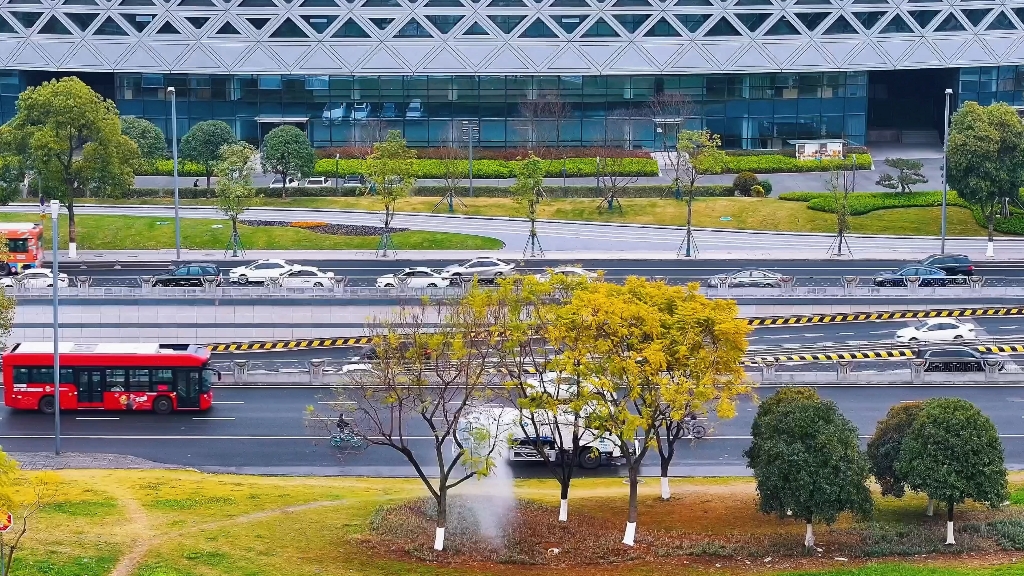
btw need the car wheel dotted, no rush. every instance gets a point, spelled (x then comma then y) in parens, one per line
(318, 284)
(389, 284)
(914, 339)
(243, 279)
(958, 337)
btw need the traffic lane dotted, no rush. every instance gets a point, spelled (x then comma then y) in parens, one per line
(880, 331)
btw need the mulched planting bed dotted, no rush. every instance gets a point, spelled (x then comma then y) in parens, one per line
(324, 227)
(531, 535)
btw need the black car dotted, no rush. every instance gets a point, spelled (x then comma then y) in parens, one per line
(951, 264)
(929, 276)
(188, 275)
(957, 360)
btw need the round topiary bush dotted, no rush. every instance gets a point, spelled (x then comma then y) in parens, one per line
(757, 192)
(743, 182)
(766, 185)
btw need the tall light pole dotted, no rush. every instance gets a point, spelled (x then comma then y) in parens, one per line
(54, 212)
(174, 154)
(945, 167)
(471, 130)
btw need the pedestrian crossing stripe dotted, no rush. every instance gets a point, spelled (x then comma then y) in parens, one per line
(876, 316)
(289, 344)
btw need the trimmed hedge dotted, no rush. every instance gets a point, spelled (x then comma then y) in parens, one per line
(861, 203)
(501, 169)
(166, 168)
(486, 153)
(790, 152)
(774, 163)
(652, 191)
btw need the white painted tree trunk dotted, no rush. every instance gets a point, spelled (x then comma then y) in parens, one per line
(73, 250)
(931, 508)
(949, 533)
(630, 535)
(809, 537)
(991, 250)
(439, 539)
(666, 492)
(563, 510)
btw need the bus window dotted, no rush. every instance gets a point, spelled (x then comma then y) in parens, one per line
(17, 245)
(40, 375)
(21, 375)
(163, 380)
(138, 380)
(115, 380)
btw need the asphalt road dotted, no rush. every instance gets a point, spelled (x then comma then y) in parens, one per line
(365, 272)
(264, 430)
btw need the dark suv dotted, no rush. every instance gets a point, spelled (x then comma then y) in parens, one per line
(957, 360)
(951, 264)
(188, 275)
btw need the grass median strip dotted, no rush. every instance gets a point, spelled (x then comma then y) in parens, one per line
(152, 233)
(729, 213)
(184, 523)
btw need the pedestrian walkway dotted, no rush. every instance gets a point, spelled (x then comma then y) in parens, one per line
(77, 461)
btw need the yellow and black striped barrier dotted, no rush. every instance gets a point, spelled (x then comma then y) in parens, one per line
(289, 344)
(834, 356)
(881, 316)
(1001, 348)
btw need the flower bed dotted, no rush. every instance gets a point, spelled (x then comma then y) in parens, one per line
(323, 227)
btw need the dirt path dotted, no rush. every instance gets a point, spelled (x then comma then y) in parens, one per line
(147, 539)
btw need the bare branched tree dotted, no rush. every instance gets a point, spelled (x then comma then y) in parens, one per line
(669, 111)
(543, 118)
(454, 169)
(431, 369)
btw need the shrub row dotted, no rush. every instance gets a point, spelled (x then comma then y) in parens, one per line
(646, 191)
(775, 163)
(506, 154)
(790, 152)
(495, 169)
(864, 202)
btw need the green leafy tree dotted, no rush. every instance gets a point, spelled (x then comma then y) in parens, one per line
(527, 192)
(69, 137)
(703, 156)
(953, 453)
(885, 446)
(203, 143)
(390, 171)
(985, 158)
(288, 153)
(908, 173)
(150, 140)
(807, 461)
(12, 178)
(235, 190)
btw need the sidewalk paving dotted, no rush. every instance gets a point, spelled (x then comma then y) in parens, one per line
(76, 460)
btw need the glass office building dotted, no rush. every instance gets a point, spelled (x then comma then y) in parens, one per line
(566, 72)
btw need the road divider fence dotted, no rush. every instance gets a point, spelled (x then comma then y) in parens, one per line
(886, 316)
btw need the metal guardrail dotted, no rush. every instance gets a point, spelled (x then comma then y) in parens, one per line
(883, 316)
(255, 292)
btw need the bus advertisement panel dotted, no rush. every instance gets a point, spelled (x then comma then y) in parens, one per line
(138, 376)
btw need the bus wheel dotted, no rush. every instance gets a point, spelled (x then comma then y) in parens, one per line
(590, 458)
(47, 405)
(162, 405)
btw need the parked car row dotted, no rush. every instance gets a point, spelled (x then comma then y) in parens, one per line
(935, 270)
(337, 112)
(482, 269)
(317, 182)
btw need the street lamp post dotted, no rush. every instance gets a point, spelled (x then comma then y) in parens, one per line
(54, 212)
(471, 130)
(945, 185)
(174, 154)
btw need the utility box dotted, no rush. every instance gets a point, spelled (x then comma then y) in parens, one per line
(818, 149)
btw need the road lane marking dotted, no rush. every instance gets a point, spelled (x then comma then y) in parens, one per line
(212, 418)
(232, 402)
(97, 418)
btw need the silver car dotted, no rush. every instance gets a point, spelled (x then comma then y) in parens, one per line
(481, 268)
(748, 279)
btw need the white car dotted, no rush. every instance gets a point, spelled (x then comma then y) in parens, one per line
(414, 278)
(307, 277)
(259, 271)
(316, 182)
(278, 183)
(481, 268)
(570, 271)
(414, 109)
(937, 330)
(35, 278)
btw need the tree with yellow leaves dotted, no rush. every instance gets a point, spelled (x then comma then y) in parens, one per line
(22, 498)
(645, 353)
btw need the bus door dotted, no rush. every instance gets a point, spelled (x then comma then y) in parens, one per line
(187, 388)
(90, 386)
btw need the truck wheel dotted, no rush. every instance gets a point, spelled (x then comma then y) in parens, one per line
(47, 405)
(163, 405)
(589, 458)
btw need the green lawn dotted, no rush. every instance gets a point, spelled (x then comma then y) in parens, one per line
(147, 233)
(742, 213)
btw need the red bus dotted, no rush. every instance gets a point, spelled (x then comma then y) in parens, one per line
(141, 376)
